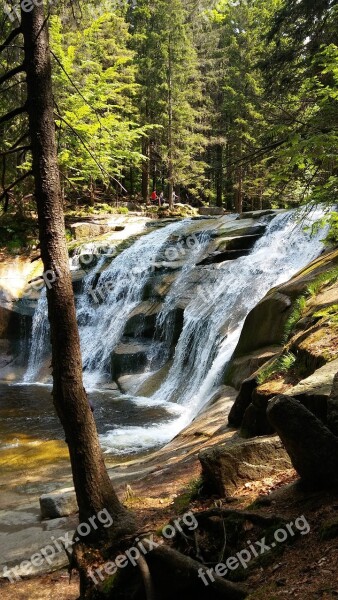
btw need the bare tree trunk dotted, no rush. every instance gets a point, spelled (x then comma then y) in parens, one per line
(93, 487)
(145, 171)
(219, 176)
(239, 192)
(170, 130)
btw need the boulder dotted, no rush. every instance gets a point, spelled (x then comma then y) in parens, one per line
(244, 367)
(257, 214)
(129, 384)
(234, 229)
(239, 242)
(332, 407)
(132, 357)
(265, 324)
(317, 345)
(142, 321)
(54, 506)
(212, 211)
(219, 257)
(242, 401)
(227, 467)
(314, 392)
(312, 447)
(12, 323)
(255, 421)
(81, 231)
(153, 382)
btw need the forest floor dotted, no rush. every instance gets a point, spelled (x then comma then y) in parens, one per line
(303, 568)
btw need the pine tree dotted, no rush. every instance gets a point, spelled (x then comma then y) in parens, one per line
(170, 95)
(95, 88)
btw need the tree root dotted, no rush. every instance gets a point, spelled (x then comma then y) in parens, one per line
(254, 517)
(178, 576)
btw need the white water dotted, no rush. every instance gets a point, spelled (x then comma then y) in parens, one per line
(102, 311)
(213, 323)
(39, 343)
(213, 318)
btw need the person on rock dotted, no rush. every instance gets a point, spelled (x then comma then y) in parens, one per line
(154, 197)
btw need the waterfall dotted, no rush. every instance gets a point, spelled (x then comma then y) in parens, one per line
(39, 340)
(213, 321)
(214, 313)
(102, 310)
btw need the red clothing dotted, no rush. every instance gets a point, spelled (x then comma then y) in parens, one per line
(153, 196)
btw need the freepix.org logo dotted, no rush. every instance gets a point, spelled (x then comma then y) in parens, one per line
(13, 9)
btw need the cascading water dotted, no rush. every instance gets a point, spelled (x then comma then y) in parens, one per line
(120, 291)
(103, 310)
(213, 322)
(39, 343)
(213, 317)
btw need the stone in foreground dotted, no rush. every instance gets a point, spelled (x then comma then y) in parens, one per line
(227, 467)
(312, 447)
(54, 506)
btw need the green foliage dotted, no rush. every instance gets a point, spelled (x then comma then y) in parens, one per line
(18, 235)
(98, 209)
(94, 89)
(302, 78)
(195, 488)
(234, 104)
(296, 314)
(170, 92)
(330, 313)
(283, 364)
(332, 236)
(322, 280)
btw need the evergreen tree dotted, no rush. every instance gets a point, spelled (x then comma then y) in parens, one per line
(170, 95)
(94, 91)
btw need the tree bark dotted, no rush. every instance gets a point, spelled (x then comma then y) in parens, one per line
(145, 171)
(219, 176)
(93, 487)
(170, 129)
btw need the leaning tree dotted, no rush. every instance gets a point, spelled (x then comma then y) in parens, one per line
(174, 573)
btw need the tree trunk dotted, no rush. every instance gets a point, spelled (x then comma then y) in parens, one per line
(239, 192)
(219, 176)
(145, 171)
(93, 487)
(131, 182)
(170, 131)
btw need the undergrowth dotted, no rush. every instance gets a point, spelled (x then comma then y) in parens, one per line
(281, 365)
(322, 280)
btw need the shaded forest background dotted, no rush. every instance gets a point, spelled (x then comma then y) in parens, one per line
(232, 104)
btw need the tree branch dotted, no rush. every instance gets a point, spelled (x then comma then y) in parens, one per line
(14, 150)
(12, 73)
(256, 154)
(69, 181)
(102, 169)
(95, 111)
(14, 184)
(10, 38)
(20, 139)
(12, 114)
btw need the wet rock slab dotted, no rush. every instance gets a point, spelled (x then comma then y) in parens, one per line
(23, 537)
